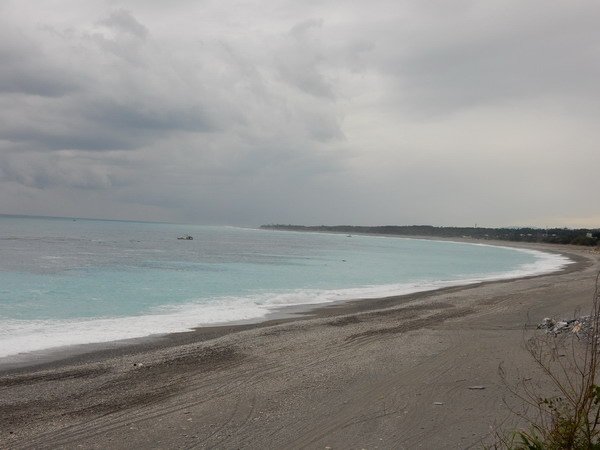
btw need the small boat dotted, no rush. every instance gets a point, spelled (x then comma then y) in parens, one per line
(186, 238)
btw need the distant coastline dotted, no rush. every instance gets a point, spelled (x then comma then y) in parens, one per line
(580, 236)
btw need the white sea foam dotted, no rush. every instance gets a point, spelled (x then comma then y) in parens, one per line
(22, 336)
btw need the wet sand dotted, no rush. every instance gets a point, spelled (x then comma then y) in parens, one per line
(384, 373)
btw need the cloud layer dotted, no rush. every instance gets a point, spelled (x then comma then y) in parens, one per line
(331, 112)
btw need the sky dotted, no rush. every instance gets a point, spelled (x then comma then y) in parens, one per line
(308, 112)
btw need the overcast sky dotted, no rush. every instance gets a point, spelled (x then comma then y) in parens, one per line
(313, 112)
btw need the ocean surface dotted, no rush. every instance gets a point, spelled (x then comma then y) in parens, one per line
(66, 282)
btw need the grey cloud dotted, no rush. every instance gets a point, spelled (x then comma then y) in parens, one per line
(83, 138)
(63, 125)
(322, 112)
(154, 118)
(44, 171)
(123, 21)
(26, 69)
(25, 79)
(301, 30)
(108, 111)
(475, 59)
(300, 57)
(112, 111)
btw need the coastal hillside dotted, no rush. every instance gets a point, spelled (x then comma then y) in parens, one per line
(581, 236)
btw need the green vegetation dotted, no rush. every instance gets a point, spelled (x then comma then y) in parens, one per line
(581, 236)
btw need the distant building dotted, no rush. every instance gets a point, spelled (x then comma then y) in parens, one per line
(589, 235)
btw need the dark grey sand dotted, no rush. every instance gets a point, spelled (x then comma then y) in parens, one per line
(386, 373)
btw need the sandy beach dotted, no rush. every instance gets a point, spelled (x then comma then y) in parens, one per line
(386, 373)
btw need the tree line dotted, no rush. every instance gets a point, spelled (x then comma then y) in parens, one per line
(580, 236)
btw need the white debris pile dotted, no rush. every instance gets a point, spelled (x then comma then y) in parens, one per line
(581, 326)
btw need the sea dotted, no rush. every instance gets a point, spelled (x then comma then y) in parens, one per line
(66, 282)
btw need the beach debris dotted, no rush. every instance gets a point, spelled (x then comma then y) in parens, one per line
(438, 403)
(476, 388)
(547, 324)
(582, 326)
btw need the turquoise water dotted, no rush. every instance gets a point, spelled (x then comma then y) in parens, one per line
(65, 281)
